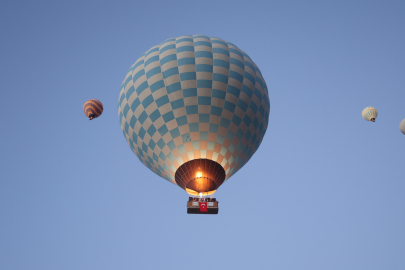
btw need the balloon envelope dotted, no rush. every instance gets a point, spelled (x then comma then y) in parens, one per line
(194, 110)
(402, 126)
(92, 108)
(370, 114)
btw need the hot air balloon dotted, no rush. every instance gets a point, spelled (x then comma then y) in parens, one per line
(370, 114)
(402, 126)
(194, 109)
(92, 108)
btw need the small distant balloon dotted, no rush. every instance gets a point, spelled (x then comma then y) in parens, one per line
(92, 108)
(402, 126)
(370, 114)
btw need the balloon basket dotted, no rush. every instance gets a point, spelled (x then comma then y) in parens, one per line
(206, 206)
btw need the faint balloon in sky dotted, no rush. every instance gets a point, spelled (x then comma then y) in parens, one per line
(402, 126)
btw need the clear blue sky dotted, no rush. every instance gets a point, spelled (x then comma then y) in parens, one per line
(325, 190)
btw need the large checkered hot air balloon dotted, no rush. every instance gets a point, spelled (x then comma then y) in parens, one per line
(194, 109)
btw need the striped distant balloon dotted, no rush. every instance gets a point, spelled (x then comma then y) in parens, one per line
(402, 126)
(92, 108)
(370, 114)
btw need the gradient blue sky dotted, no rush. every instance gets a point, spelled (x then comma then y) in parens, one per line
(325, 190)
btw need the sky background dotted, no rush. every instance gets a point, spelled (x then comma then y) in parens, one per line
(325, 190)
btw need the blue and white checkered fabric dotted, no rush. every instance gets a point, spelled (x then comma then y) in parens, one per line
(193, 97)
